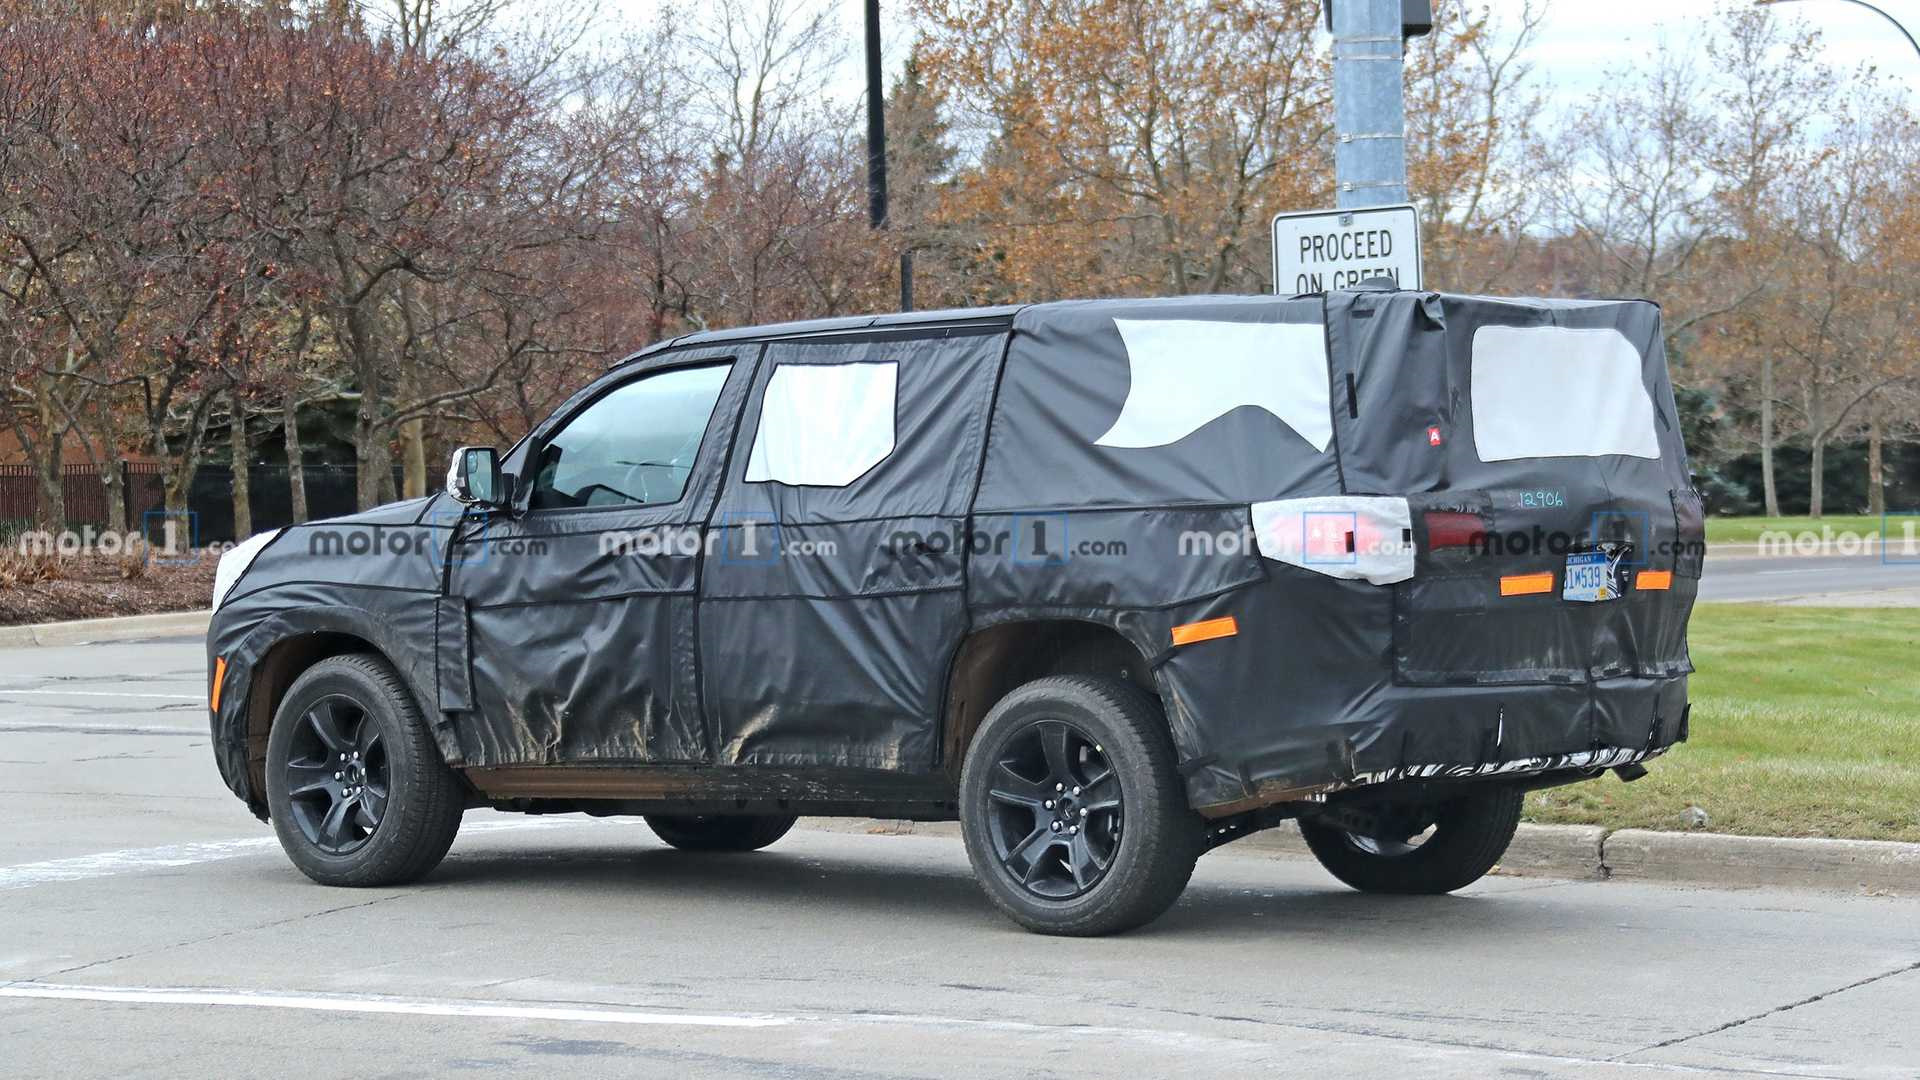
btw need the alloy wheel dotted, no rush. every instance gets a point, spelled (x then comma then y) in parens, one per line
(1056, 810)
(337, 775)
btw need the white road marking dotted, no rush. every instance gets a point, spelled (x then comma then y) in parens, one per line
(131, 860)
(6, 692)
(134, 860)
(1804, 570)
(378, 1003)
(93, 727)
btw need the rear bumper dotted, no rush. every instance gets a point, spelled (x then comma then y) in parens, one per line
(1477, 735)
(1306, 700)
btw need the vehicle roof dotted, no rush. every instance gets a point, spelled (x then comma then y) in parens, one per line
(1003, 315)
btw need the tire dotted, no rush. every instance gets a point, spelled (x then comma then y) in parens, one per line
(720, 832)
(1470, 834)
(327, 811)
(1106, 746)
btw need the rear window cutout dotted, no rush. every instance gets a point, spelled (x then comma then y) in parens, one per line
(1185, 373)
(1551, 391)
(824, 425)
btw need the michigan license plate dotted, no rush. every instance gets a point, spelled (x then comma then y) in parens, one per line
(1589, 578)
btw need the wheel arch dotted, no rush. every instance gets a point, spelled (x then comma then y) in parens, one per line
(997, 658)
(272, 656)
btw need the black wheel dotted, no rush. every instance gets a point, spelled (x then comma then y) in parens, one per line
(1421, 849)
(720, 832)
(357, 790)
(1075, 817)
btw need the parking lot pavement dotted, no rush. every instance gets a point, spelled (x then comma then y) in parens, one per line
(149, 926)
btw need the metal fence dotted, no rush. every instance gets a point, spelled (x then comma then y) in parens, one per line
(81, 487)
(331, 492)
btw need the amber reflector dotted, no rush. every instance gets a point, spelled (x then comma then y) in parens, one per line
(1526, 584)
(1207, 630)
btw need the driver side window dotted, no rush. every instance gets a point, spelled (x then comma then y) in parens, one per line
(634, 446)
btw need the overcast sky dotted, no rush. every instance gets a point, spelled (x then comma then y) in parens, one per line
(1584, 38)
(1581, 40)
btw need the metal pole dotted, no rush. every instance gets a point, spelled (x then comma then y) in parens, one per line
(876, 123)
(1859, 3)
(877, 150)
(1369, 104)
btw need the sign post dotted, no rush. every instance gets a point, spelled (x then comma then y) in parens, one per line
(1318, 250)
(1369, 102)
(1375, 233)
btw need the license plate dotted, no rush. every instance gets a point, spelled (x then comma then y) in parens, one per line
(1589, 578)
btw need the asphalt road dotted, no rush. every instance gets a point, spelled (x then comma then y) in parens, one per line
(1742, 574)
(150, 927)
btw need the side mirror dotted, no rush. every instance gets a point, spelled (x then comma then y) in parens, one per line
(473, 477)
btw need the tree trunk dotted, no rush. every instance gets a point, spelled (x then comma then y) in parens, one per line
(371, 456)
(51, 513)
(413, 462)
(242, 472)
(1770, 494)
(176, 531)
(1818, 481)
(113, 479)
(296, 466)
(50, 510)
(1876, 464)
(1817, 434)
(373, 461)
(179, 531)
(366, 487)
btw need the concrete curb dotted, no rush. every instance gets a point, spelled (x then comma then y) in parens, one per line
(1874, 866)
(1559, 851)
(123, 628)
(1593, 853)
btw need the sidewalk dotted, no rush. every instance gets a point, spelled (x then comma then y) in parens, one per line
(123, 628)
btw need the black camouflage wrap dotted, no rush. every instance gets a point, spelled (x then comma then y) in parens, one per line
(996, 505)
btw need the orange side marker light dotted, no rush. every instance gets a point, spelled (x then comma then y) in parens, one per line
(1526, 584)
(1205, 630)
(219, 677)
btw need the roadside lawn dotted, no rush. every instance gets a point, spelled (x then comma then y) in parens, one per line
(1747, 530)
(1806, 722)
(54, 588)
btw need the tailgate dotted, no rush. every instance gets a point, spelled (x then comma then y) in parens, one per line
(1490, 600)
(1535, 441)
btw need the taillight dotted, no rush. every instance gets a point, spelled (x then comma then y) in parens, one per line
(1452, 529)
(1357, 537)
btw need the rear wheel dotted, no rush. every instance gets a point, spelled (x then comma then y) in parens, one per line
(356, 788)
(1420, 848)
(1075, 817)
(720, 832)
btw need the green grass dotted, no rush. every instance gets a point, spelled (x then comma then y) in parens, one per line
(1806, 722)
(1747, 530)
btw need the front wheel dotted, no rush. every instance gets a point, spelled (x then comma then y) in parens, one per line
(1074, 814)
(1421, 848)
(358, 792)
(720, 832)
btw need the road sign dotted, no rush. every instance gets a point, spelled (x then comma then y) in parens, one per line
(1318, 250)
